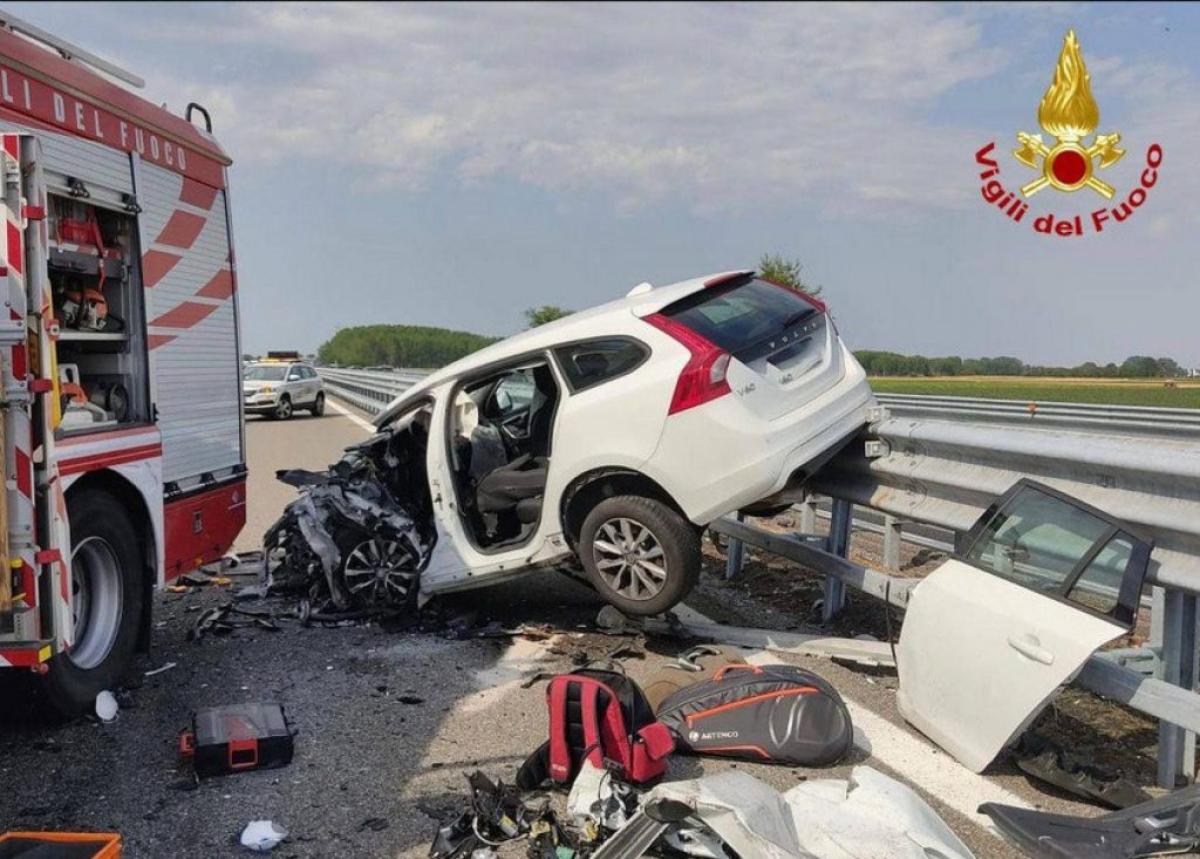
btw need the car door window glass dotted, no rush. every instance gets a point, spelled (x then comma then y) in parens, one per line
(1099, 585)
(595, 361)
(1037, 540)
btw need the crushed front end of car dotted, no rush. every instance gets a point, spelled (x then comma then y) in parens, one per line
(361, 532)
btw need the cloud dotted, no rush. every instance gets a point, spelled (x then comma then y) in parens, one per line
(720, 106)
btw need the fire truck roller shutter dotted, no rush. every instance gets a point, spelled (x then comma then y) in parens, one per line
(192, 324)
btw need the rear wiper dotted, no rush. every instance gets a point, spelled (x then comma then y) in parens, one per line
(798, 316)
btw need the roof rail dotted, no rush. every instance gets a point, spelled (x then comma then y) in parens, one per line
(67, 50)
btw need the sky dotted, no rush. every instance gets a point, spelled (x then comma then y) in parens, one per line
(452, 165)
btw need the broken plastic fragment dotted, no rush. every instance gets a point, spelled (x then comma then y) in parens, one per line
(262, 836)
(106, 706)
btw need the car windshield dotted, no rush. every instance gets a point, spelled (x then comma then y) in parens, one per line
(742, 313)
(265, 373)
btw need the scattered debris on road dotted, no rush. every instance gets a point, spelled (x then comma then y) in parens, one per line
(106, 706)
(262, 836)
(1170, 824)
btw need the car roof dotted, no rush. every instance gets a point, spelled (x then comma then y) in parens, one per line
(579, 325)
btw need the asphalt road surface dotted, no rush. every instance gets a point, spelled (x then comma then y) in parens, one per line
(389, 723)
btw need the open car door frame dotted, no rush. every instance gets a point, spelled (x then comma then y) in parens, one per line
(1043, 580)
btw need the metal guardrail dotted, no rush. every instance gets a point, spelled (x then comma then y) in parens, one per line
(368, 390)
(1108, 419)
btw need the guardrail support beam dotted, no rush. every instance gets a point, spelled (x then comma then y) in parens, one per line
(735, 552)
(893, 536)
(837, 543)
(1177, 747)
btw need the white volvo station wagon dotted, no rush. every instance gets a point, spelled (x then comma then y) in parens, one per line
(618, 433)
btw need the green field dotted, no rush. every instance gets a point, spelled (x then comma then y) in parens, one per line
(1125, 392)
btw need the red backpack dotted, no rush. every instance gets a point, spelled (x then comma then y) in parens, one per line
(602, 717)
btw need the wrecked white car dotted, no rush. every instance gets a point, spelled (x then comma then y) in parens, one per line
(613, 435)
(1042, 582)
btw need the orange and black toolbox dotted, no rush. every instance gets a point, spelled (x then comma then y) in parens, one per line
(60, 845)
(238, 737)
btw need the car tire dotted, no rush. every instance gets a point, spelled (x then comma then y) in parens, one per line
(107, 598)
(318, 406)
(283, 409)
(374, 572)
(641, 572)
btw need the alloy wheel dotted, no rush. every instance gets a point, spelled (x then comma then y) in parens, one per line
(379, 571)
(629, 558)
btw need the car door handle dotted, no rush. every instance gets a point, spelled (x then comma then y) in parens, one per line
(1031, 649)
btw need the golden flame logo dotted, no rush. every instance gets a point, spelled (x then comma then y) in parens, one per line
(1069, 113)
(1068, 110)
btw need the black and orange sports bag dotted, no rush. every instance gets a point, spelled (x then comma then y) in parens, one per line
(774, 714)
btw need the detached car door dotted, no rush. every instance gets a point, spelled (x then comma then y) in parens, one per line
(1042, 582)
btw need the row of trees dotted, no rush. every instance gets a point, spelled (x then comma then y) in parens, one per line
(399, 346)
(894, 364)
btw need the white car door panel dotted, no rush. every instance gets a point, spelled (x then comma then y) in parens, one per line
(979, 657)
(1044, 581)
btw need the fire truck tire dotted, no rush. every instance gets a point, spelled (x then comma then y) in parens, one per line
(107, 588)
(318, 406)
(283, 410)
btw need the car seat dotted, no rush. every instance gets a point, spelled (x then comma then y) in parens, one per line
(519, 485)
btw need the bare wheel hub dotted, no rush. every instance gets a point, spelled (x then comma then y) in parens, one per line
(629, 558)
(97, 601)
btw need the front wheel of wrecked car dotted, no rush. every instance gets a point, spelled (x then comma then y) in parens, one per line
(378, 572)
(642, 556)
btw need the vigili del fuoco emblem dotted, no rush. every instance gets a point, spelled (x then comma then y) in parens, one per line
(1069, 113)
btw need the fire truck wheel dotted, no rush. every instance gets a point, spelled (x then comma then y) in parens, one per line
(283, 411)
(106, 603)
(318, 406)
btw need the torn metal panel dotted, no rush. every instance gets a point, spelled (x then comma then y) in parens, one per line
(1168, 825)
(868, 816)
(858, 650)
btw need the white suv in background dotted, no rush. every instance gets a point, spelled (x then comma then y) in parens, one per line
(279, 388)
(617, 433)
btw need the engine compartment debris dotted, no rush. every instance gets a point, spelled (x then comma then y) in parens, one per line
(361, 532)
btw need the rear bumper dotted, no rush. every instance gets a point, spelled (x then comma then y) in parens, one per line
(720, 460)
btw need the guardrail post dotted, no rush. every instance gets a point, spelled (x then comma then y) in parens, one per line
(1177, 747)
(808, 514)
(735, 554)
(893, 536)
(837, 543)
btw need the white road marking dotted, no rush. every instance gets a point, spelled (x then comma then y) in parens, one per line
(345, 412)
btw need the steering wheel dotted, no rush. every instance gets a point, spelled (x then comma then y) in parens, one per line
(516, 426)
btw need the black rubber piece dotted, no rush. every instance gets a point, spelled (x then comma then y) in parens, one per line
(318, 406)
(71, 690)
(679, 539)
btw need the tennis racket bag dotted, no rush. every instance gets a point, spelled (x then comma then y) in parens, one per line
(777, 714)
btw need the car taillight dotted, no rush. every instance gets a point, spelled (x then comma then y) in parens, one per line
(703, 377)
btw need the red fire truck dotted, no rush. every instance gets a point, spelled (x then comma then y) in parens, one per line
(123, 441)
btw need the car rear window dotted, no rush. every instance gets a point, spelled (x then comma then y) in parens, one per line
(741, 314)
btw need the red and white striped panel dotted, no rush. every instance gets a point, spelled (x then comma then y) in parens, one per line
(190, 285)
